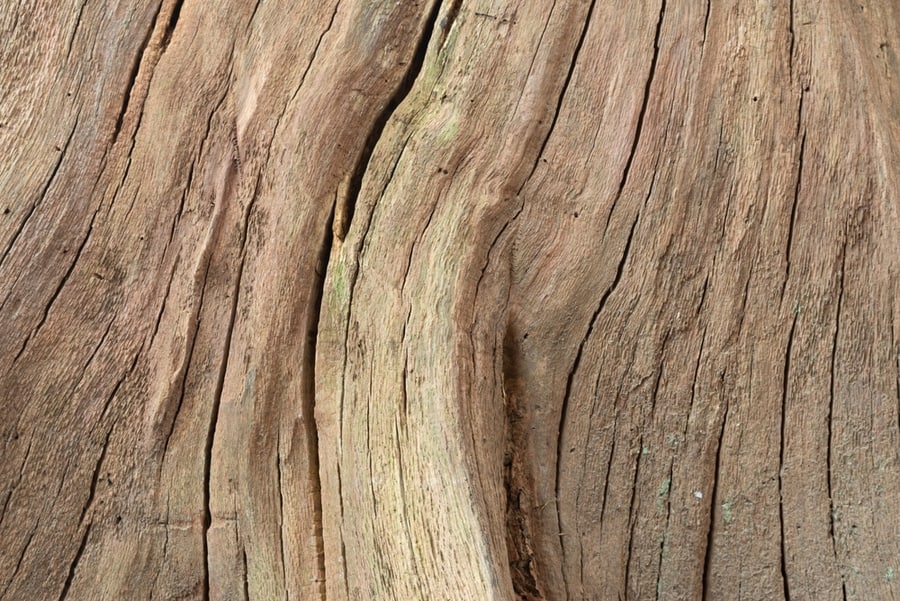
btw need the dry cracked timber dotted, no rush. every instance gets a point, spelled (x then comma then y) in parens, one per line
(450, 300)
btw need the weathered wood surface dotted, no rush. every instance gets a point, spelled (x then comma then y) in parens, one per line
(450, 300)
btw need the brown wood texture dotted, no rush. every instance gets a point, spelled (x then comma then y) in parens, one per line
(450, 299)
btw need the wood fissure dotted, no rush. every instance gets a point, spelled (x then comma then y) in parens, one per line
(648, 86)
(782, 445)
(70, 576)
(346, 203)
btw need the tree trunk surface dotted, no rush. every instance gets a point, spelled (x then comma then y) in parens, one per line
(446, 299)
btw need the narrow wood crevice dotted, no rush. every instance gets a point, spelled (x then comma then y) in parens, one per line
(347, 203)
(829, 468)
(695, 381)
(792, 36)
(95, 350)
(229, 186)
(108, 401)
(175, 397)
(146, 61)
(524, 566)
(632, 514)
(39, 198)
(170, 24)
(245, 574)
(800, 111)
(132, 81)
(252, 15)
(186, 189)
(565, 87)
(446, 23)
(15, 485)
(606, 481)
(706, 23)
(308, 375)
(75, 29)
(162, 305)
(59, 287)
(73, 566)
(281, 505)
(312, 60)
(95, 477)
(784, 405)
(706, 578)
(19, 561)
(563, 417)
(790, 235)
(648, 86)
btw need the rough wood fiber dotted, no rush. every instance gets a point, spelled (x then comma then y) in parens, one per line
(450, 300)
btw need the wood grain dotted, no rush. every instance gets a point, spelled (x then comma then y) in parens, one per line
(449, 299)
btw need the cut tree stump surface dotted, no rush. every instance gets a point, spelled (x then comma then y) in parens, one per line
(450, 300)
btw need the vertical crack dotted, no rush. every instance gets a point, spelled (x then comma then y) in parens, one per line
(18, 481)
(175, 398)
(281, 513)
(784, 396)
(800, 111)
(632, 515)
(133, 74)
(564, 410)
(19, 561)
(252, 15)
(228, 187)
(95, 477)
(790, 235)
(714, 494)
(75, 29)
(41, 195)
(563, 90)
(401, 480)
(70, 577)
(640, 124)
(706, 21)
(828, 458)
(446, 23)
(792, 38)
(246, 574)
(347, 202)
(171, 22)
(59, 287)
(308, 375)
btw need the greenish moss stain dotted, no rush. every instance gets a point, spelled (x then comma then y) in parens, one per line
(663, 490)
(662, 493)
(249, 387)
(726, 512)
(889, 574)
(338, 282)
(450, 129)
